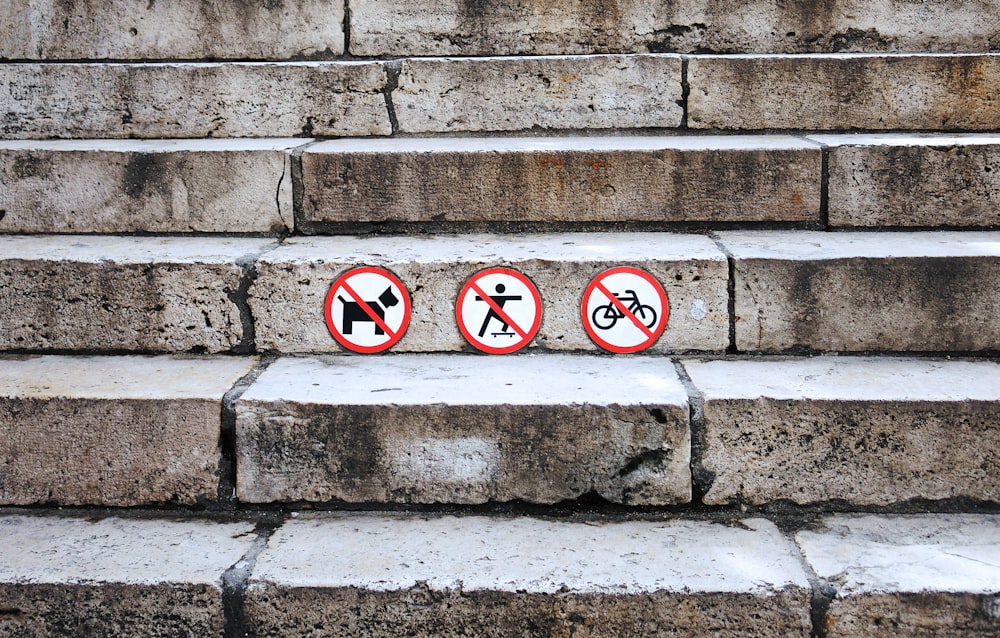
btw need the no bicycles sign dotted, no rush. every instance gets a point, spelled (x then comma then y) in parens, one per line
(625, 310)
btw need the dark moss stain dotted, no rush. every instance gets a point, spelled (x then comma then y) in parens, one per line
(143, 174)
(29, 166)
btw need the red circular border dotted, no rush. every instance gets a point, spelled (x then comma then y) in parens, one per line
(531, 332)
(341, 339)
(661, 326)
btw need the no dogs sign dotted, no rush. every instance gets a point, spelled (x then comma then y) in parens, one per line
(367, 309)
(499, 310)
(625, 309)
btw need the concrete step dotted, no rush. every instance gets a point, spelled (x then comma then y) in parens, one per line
(103, 293)
(117, 431)
(509, 27)
(793, 291)
(819, 92)
(562, 180)
(850, 291)
(370, 574)
(184, 29)
(459, 429)
(193, 100)
(856, 430)
(245, 185)
(159, 186)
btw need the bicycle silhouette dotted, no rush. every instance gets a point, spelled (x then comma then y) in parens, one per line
(605, 317)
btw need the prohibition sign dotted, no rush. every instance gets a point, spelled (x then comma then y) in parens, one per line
(625, 310)
(367, 309)
(499, 310)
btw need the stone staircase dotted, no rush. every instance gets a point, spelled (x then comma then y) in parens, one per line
(809, 449)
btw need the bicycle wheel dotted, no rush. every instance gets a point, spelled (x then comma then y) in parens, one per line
(607, 314)
(643, 311)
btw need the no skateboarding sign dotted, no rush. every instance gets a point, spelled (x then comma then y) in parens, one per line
(499, 310)
(367, 309)
(625, 309)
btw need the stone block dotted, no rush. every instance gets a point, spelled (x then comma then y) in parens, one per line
(844, 92)
(167, 186)
(287, 298)
(184, 29)
(464, 429)
(464, 576)
(115, 577)
(899, 291)
(866, 431)
(567, 179)
(111, 430)
(528, 93)
(174, 294)
(914, 180)
(931, 575)
(510, 27)
(193, 100)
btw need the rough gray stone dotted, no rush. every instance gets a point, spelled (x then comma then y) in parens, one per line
(844, 92)
(524, 93)
(180, 29)
(287, 298)
(914, 180)
(112, 293)
(464, 429)
(448, 576)
(193, 100)
(571, 179)
(111, 430)
(116, 186)
(934, 575)
(900, 291)
(508, 27)
(114, 577)
(863, 430)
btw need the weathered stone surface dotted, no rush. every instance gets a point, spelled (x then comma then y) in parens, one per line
(927, 575)
(288, 295)
(193, 100)
(524, 93)
(448, 576)
(113, 293)
(184, 29)
(111, 430)
(903, 291)
(843, 92)
(867, 431)
(570, 179)
(464, 429)
(914, 180)
(114, 577)
(506, 27)
(114, 186)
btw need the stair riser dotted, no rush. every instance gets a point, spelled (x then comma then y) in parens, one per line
(156, 186)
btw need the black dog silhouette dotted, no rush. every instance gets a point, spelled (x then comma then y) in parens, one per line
(353, 311)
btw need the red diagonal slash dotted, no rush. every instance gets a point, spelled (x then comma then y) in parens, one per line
(368, 309)
(497, 309)
(621, 308)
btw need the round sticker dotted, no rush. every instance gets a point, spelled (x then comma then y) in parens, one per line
(625, 309)
(499, 310)
(367, 309)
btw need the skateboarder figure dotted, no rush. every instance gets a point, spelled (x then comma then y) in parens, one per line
(500, 300)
